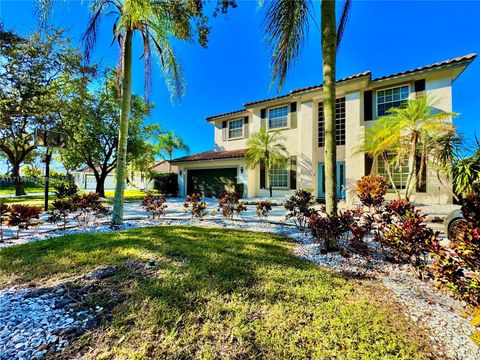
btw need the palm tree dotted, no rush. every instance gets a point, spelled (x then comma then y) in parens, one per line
(168, 142)
(155, 22)
(286, 23)
(267, 149)
(409, 131)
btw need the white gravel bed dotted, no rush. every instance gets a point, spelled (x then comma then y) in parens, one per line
(32, 322)
(423, 303)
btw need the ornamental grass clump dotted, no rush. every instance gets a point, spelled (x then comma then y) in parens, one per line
(155, 205)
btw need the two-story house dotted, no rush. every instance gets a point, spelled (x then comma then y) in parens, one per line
(361, 100)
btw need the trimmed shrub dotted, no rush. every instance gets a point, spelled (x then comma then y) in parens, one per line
(324, 226)
(196, 204)
(299, 209)
(62, 209)
(88, 209)
(24, 217)
(229, 205)
(262, 209)
(64, 189)
(457, 268)
(371, 190)
(154, 204)
(166, 184)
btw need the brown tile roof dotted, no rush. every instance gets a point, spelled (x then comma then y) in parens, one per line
(212, 155)
(210, 118)
(351, 77)
(456, 60)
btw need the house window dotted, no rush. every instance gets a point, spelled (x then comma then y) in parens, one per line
(340, 123)
(278, 177)
(235, 129)
(389, 98)
(399, 171)
(278, 117)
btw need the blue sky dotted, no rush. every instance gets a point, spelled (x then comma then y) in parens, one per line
(381, 36)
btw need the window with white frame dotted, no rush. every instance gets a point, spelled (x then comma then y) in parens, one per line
(235, 129)
(399, 171)
(278, 117)
(278, 177)
(393, 97)
(340, 123)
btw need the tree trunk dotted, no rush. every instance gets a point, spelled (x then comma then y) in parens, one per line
(267, 178)
(329, 43)
(390, 177)
(412, 168)
(18, 181)
(117, 216)
(100, 187)
(170, 155)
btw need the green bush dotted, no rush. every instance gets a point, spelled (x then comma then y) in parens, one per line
(64, 189)
(166, 184)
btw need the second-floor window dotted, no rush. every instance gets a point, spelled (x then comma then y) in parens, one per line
(389, 98)
(278, 117)
(340, 123)
(235, 129)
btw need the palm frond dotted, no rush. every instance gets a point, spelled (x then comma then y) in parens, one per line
(343, 21)
(43, 10)
(89, 38)
(171, 68)
(285, 23)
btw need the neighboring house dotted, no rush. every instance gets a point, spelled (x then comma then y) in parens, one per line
(299, 115)
(85, 179)
(163, 166)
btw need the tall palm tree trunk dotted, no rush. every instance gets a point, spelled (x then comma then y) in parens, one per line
(412, 171)
(329, 43)
(117, 216)
(170, 155)
(390, 176)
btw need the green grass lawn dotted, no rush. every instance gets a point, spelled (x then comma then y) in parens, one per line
(29, 188)
(33, 200)
(218, 294)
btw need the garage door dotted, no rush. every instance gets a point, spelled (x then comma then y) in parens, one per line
(211, 182)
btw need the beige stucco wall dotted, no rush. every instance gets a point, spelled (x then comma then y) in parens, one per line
(303, 140)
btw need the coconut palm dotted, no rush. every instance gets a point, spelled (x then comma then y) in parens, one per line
(286, 24)
(155, 22)
(168, 142)
(408, 132)
(267, 149)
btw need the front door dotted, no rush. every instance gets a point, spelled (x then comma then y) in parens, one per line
(341, 180)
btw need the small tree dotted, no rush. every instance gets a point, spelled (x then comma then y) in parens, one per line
(267, 149)
(168, 143)
(408, 131)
